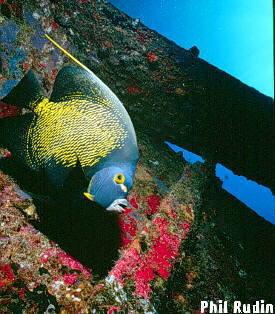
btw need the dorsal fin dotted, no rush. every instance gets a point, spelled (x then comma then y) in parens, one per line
(72, 81)
(25, 93)
(75, 80)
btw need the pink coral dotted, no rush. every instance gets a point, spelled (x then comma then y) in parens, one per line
(153, 202)
(142, 288)
(126, 263)
(64, 259)
(6, 275)
(7, 110)
(55, 25)
(146, 273)
(134, 201)
(113, 309)
(143, 268)
(128, 227)
(151, 57)
(161, 223)
(70, 279)
(186, 226)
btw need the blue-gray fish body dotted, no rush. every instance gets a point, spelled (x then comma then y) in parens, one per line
(83, 124)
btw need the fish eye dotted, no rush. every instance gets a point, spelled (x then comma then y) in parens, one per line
(119, 178)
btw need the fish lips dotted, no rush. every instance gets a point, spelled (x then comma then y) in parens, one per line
(119, 205)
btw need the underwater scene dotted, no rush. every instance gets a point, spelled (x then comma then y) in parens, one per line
(136, 166)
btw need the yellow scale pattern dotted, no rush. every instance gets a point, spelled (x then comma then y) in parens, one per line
(76, 128)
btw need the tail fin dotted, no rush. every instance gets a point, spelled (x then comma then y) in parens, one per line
(25, 93)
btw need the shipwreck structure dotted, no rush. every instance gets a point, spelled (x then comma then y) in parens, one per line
(187, 238)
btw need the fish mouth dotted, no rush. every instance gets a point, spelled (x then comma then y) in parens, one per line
(118, 206)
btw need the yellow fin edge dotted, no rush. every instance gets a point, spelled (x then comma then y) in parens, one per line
(68, 54)
(89, 196)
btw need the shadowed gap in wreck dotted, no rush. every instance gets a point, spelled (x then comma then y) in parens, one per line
(257, 197)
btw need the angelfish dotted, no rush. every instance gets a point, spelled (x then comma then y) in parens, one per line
(82, 125)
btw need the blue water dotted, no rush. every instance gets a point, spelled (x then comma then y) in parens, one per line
(234, 35)
(188, 156)
(255, 196)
